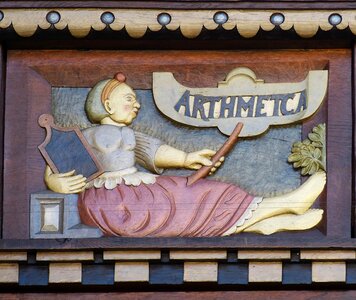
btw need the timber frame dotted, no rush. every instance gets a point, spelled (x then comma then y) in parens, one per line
(306, 26)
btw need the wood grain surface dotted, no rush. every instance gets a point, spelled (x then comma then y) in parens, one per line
(233, 242)
(222, 40)
(2, 105)
(187, 4)
(354, 143)
(25, 166)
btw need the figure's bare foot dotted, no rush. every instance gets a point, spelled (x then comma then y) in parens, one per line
(287, 222)
(296, 202)
(302, 198)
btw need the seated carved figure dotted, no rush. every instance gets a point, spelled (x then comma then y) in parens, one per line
(126, 202)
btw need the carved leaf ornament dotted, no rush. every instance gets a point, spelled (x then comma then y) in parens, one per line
(310, 155)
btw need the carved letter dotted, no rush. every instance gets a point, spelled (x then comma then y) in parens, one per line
(284, 110)
(277, 102)
(198, 107)
(212, 101)
(260, 106)
(246, 106)
(302, 102)
(227, 106)
(183, 101)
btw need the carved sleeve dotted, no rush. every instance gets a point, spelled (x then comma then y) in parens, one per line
(145, 151)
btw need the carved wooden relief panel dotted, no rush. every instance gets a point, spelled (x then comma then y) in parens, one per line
(151, 119)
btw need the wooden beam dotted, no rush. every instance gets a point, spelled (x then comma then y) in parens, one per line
(247, 242)
(2, 122)
(186, 4)
(353, 206)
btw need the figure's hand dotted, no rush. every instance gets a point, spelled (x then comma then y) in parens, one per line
(195, 160)
(65, 183)
(217, 165)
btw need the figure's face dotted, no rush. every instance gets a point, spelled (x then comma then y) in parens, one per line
(122, 104)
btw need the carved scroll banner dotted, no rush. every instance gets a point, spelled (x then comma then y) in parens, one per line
(241, 97)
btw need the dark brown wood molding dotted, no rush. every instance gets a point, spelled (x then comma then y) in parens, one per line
(353, 105)
(192, 295)
(2, 122)
(233, 242)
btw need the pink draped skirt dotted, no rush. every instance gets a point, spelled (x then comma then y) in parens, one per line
(167, 208)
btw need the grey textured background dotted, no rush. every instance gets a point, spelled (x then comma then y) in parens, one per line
(258, 165)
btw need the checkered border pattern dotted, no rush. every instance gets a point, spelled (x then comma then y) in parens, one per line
(178, 267)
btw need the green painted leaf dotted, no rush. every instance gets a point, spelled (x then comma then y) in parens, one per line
(306, 161)
(314, 168)
(297, 164)
(307, 169)
(317, 153)
(314, 137)
(305, 152)
(317, 144)
(311, 148)
(294, 157)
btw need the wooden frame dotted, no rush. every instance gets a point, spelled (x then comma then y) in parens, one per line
(34, 73)
(27, 90)
(341, 120)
